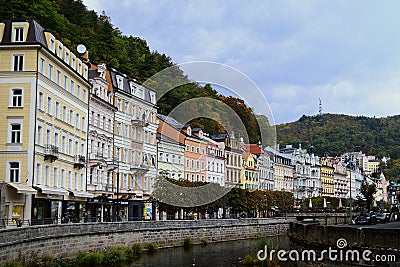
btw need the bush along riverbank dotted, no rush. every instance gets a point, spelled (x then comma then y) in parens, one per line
(262, 243)
(111, 257)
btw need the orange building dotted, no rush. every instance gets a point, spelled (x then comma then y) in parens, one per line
(195, 154)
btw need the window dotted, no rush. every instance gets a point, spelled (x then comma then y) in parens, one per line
(82, 181)
(70, 179)
(58, 78)
(39, 134)
(70, 146)
(51, 69)
(60, 51)
(64, 114)
(84, 95)
(14, 172)
(67, 57)
(77, 121)
(119, 125)
(48, 136)
(47, 176)
(38, 173)
(55, 177)
(15, 133)
(16, 98)
(119, 104)
(49, 105)
(63, 143)
(57, 110)
(18, 34)
(71, 117)
(63, 178)
(56, 136)
(78, 91)
(65, 82)
(83, 124)
(72, 87)
(18, 62)
(126, 132)
(42, 64)
(160, 156)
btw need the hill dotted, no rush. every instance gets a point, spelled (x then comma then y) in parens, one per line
(333, 134)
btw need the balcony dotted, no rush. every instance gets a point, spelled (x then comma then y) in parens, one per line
(79, 162)
(51, 153)
(140, 168)
(112, 164)
(138, 122)
(95, 159)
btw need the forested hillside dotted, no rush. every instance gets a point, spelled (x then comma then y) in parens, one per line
(74, 24)
(333, 134)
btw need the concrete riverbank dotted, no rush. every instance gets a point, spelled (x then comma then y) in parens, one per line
(66, 240)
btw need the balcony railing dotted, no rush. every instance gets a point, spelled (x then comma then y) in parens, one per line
(139, 122)
(79, 161)
(51, 153)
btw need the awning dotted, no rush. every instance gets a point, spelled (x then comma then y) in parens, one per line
(22, 188)
(81, 194)
(52, 190)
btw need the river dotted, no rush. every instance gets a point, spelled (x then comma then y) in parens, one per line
(212, 255)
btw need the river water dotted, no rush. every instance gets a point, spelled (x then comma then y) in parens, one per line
(214, 254)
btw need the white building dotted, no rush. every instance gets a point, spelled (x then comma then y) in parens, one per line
(170, 161)
(307, 170)
(101, 163)
(233, 156)
(215, 162)
(135, 143)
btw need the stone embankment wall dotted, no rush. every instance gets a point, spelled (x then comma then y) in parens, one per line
(66, 240)
(357, 237)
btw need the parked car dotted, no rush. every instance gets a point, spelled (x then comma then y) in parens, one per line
(382, 217)
(366, 218)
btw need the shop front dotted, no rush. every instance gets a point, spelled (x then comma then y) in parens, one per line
(99, 210)
(135, 210)
(47, 205)
(15, 202)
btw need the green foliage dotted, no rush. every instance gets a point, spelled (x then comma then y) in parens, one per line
(203, 241)
(368, 191)
(187, 243)
(90, 258)
(13, 264)
(248, 260)
(136, 249)
(151, 248)
(116, 255)
(333, 134)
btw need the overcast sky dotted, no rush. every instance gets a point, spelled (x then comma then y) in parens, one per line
(347, 53)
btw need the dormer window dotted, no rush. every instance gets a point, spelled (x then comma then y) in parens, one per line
(67, 57)
(120, 82)
(189, 131)
(52, 45)
(152, 97)
(19, 31)
(201, 134)
(133, 88)
(60, 51)
(18, 34)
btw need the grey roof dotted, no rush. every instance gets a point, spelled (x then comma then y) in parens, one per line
(126, 84)
(171, 121)
(35, 32)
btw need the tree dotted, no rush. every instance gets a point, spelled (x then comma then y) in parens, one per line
(368, 191)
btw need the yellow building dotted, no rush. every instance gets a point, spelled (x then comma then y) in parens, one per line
(250, 176)
(44, 95)
(327, 177)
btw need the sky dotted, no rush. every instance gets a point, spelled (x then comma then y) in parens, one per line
(346, 53)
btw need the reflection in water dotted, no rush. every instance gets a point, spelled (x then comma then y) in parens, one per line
(214, 254)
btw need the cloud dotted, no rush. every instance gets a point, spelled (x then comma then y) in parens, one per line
(345, 53)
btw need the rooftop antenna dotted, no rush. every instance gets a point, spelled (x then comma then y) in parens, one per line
(320, 106)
